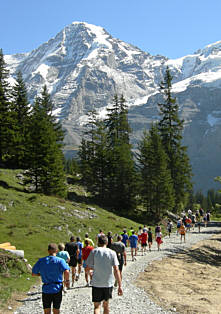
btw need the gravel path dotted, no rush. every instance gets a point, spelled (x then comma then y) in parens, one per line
(134, 301)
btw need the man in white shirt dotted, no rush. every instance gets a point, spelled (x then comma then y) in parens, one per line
(104, 263)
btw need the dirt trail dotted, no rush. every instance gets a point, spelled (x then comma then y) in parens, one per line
(190, 281)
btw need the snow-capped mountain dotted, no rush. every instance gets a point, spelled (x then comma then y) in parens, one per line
(84, 66)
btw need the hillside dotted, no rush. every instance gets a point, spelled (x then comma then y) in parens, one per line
(30, 221)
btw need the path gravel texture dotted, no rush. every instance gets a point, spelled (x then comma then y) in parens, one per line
(77, 300)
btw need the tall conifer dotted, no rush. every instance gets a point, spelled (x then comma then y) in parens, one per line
(46, 169)
(6, 132)
(121, 179)
(171, 127)
(156, 187)
(20, 111)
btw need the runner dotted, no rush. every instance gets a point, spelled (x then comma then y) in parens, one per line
(51, 269)
(145, 228)
(72, 249)
(125, 237)
(120, 250)
(169, 227)
(208, 216)
(91, 243)
(189, 213)
(193, 221)
(85, 253)
(150, 238)
(103, 262)
(144, 241)
(188, 224)
(139, 236)
(66, 257)
(205, 220)
(182, 233)
(157, 229)
(198, 222)
(99, 234)
(80, 246)
(133, 245)
(159, 239)
(109, 239)
(62, 253)
(201, 211)
(178, 225)
(130, 231)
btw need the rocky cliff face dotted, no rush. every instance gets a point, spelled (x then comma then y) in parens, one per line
(84, 66)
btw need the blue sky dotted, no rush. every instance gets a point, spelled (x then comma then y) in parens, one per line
(172, 28)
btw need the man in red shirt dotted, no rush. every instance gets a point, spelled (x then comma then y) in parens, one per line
(85, 253)
(143, 239)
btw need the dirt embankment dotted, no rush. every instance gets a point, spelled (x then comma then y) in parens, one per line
(189, 281)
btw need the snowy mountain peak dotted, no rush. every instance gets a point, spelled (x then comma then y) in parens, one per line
(83, 67)
(211, 49)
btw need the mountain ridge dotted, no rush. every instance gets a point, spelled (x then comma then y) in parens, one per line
(83, 66)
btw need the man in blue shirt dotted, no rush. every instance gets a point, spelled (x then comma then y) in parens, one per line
(125, 237)
(51, 269)
(133, 245)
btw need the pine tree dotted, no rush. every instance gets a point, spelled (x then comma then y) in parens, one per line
(87, 153)
(46, 168)
(100, 161)
(6, 132)
(156, 187)
(21, 124)
(92, 154)
(170, 127)
(121, 179)
(107, 165)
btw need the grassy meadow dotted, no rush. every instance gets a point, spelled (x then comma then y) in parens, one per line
(33, 220)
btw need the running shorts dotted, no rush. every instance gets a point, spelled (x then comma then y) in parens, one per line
(73, 261)
(101, 294)
(52, 298)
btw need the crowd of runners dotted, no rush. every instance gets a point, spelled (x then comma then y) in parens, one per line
(102, 259)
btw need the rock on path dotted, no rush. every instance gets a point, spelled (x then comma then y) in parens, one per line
(77, 300)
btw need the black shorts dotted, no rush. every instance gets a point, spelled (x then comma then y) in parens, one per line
(52, 298)
(73, 261)
(101, 294)
(79, 261)
(121, 264)
(144, 244)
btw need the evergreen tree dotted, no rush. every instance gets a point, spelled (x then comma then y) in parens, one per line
(199, 197)
(122, 177)
(100, 162)
(21, 123)
(156, 187)
(170, 127)
(71, 166)
(107, 164)
(92, 154)
(46, 169)
(6, 131)
(46, 105)
(211, 194)
(87, 153)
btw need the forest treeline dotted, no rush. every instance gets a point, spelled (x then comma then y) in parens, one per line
(155, 176)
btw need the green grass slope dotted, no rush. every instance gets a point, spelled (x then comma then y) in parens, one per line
(32, 220)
